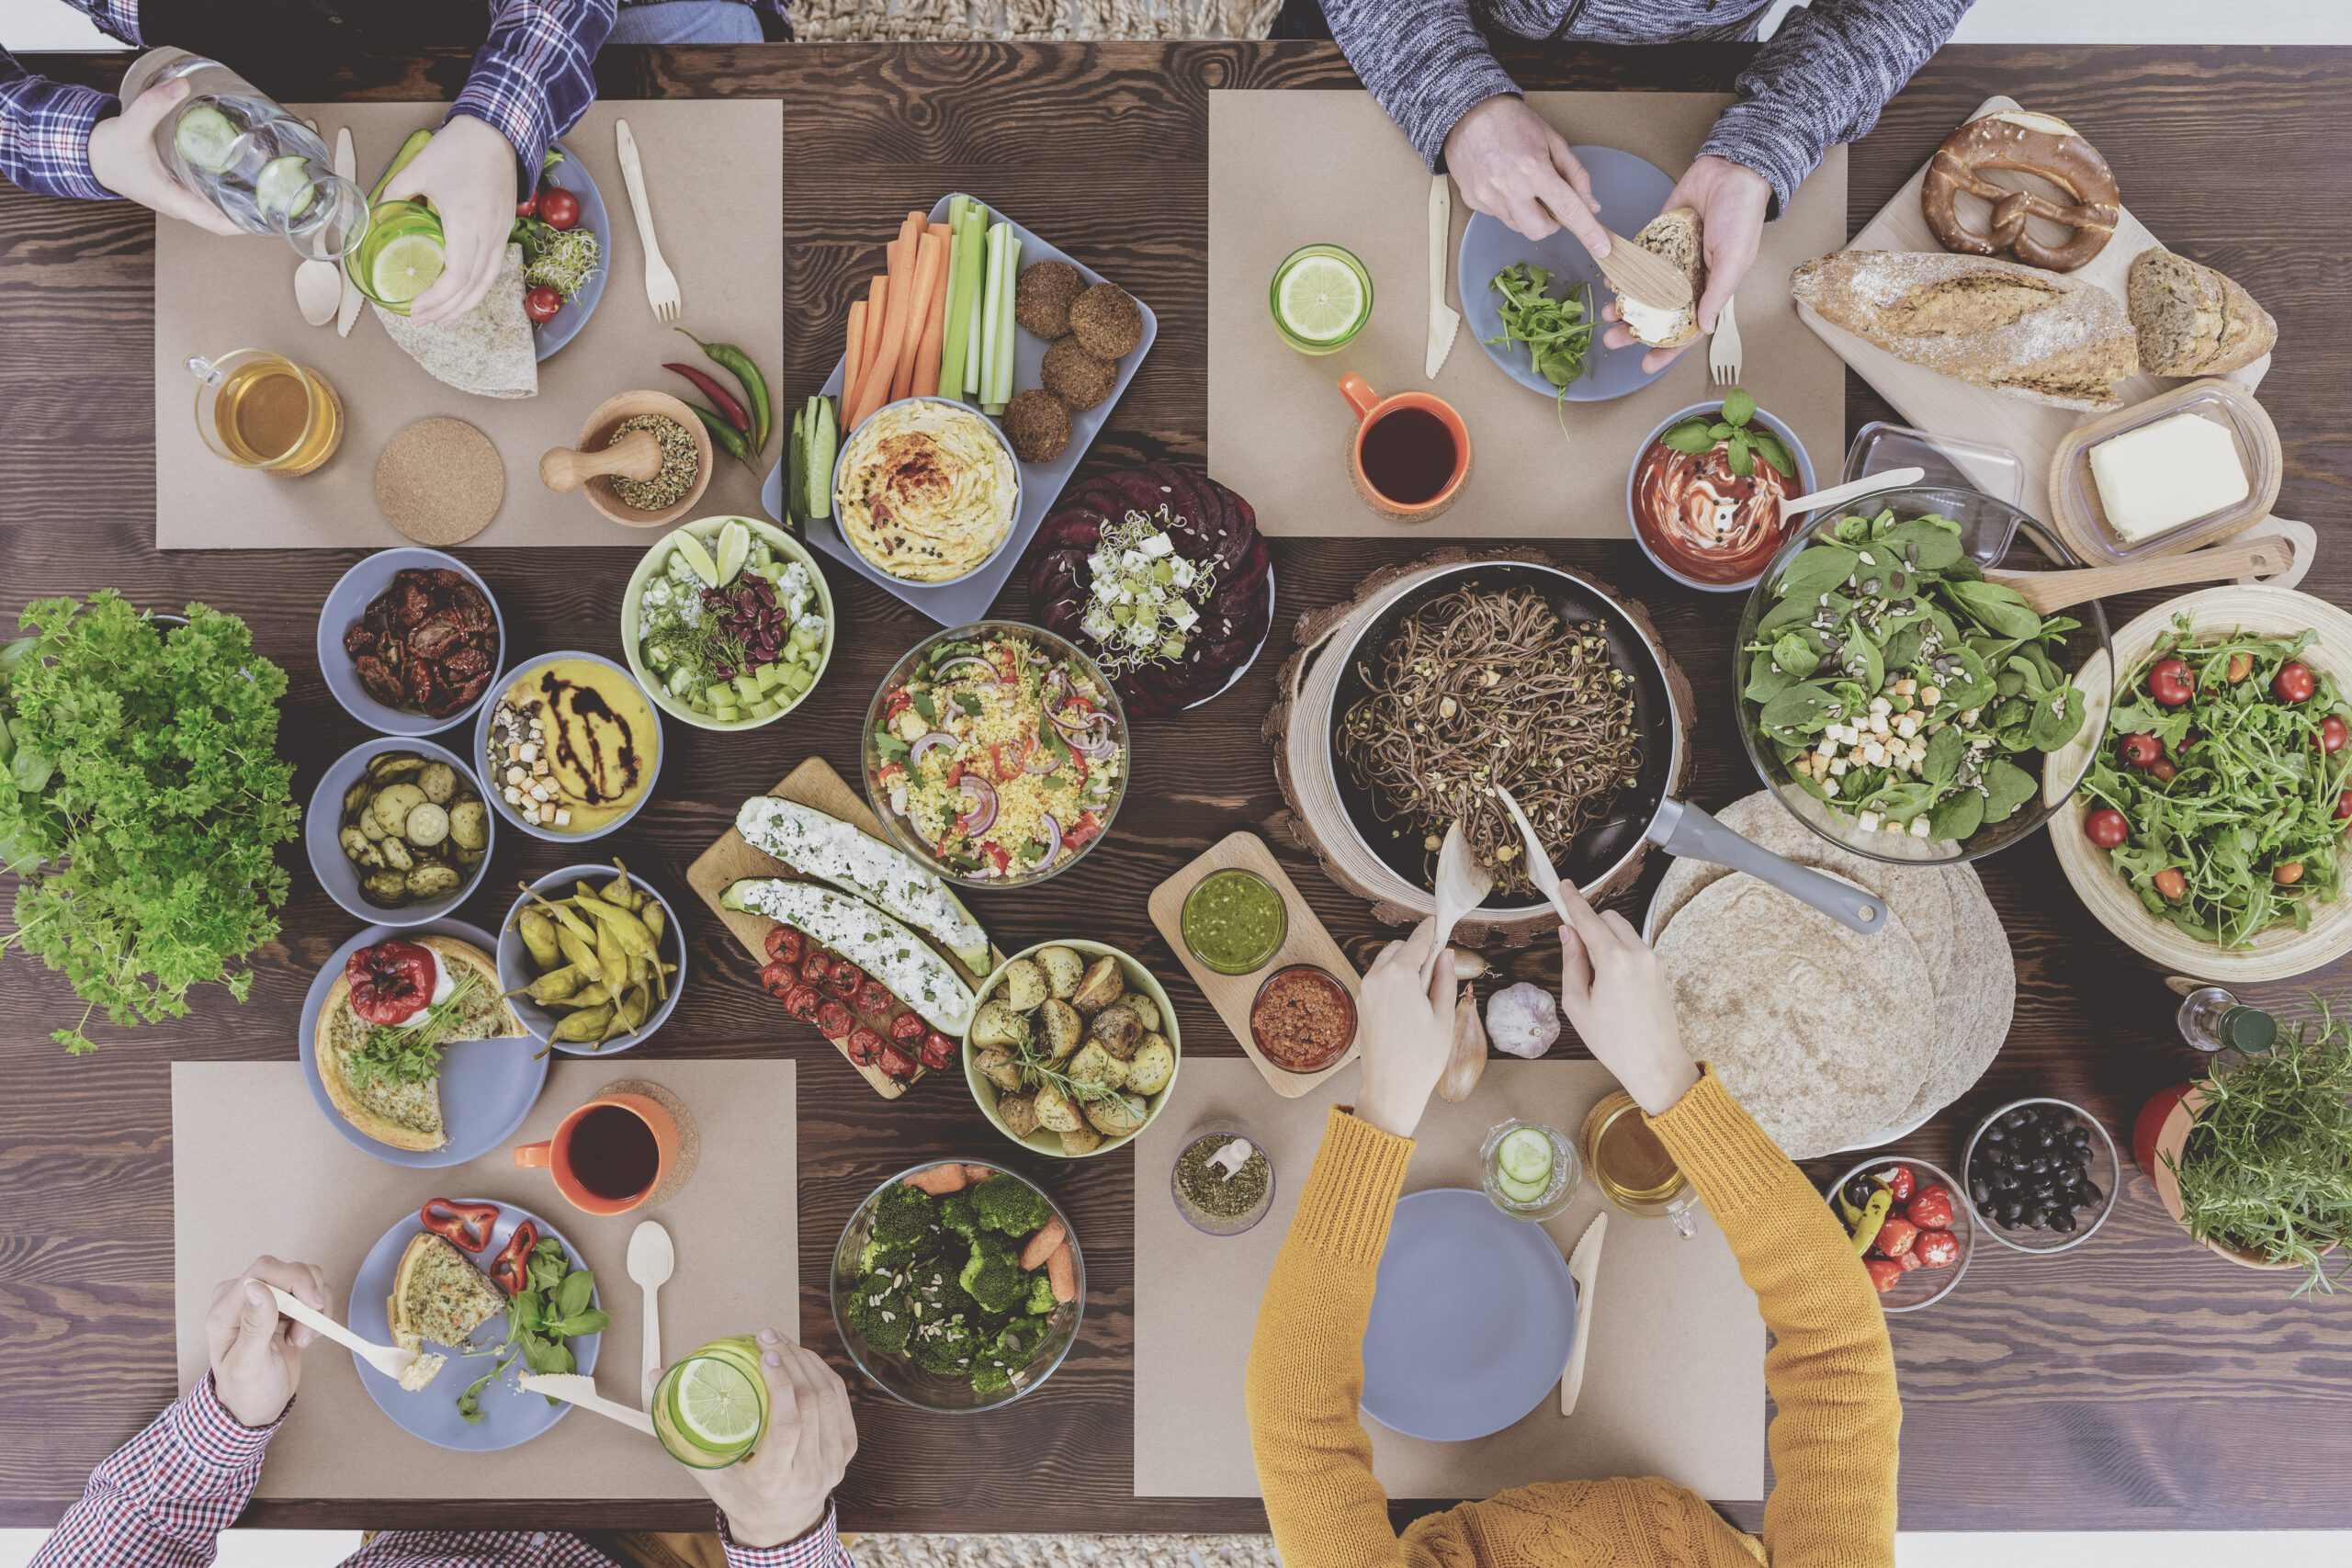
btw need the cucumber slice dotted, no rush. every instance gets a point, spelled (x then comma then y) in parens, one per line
(824, 443)
(1523, 1191)
(285, 189)
(205, 139)
(1525, 1155)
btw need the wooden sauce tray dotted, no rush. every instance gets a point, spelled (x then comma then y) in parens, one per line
(1231, 995)
(731, 857)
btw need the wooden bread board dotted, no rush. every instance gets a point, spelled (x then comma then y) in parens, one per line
(731, 857)
(1231, 995)
(1941, 405)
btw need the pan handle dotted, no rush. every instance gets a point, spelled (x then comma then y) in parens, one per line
(1690, 833)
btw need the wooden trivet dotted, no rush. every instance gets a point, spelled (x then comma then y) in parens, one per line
(1298, 728)
(689, 1135)
(440, 481)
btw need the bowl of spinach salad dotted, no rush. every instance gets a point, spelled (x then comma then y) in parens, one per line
(1901, 701)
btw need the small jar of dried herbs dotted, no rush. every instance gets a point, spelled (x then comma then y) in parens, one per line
(1223, 1183)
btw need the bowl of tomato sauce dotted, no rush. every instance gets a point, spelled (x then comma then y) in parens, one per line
(1699, 519)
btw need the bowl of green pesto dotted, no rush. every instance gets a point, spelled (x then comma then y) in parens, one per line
(1234, 920)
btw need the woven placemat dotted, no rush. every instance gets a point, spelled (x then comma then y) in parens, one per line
(440, 481)
(689, 1135)
(844, 21)
(1298, 726)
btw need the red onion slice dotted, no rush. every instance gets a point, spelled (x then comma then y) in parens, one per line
(928, 744)
(983, 813)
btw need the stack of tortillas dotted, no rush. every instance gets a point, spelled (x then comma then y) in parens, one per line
(1834, 1039)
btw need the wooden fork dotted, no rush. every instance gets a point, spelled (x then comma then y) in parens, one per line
(661, 282)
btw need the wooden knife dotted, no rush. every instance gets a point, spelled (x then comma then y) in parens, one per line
(577, 1388)
(1443, 318)
(348, 166)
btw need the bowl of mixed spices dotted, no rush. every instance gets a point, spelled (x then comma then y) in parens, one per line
(674, 488)
(1222, 1181)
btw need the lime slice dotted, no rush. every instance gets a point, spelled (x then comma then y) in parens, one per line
(734, 545)
(691, 551)
(406, 267)
(1525, 1155)
(205, 139)
(285, 188)
(1321, 298)
(716, 1403)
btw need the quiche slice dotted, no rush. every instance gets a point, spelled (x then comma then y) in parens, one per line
(407, 1115)
(438, 1296)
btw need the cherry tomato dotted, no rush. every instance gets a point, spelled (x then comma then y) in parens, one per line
(896, 1063)
(2163, 768)
(874, 1000)
(2172, 885)
(2286, 873)
(2140, 749)
(529, 207)
(2241, 666)
(906, 1029)
(2344, 806)
(2293, 684)
(559, 209)
(2331, 734)
(1884, 1273)
(1931, 1208)
(845, 979)
(2107, 829)
(2168, 682)
(834, 1019)
(1938, 1249)
(541, 303)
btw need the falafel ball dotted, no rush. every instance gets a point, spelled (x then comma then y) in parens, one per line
(1037, 426)
(1042, 297)
(1106, 320)
(1079, 378)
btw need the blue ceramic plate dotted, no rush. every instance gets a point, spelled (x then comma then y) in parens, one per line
(1471, 1320)
(1632, 191)
(349, 599)
(571, 174)
(509, 1416)
(487, 1086)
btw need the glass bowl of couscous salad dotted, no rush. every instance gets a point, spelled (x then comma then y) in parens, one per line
(996, 753)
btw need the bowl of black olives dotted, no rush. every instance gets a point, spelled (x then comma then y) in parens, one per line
(2040, 1175)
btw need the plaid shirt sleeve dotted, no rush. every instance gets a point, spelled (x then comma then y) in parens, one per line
(534, 76)
(45, 125)
(164, 1499)
(820, 1548)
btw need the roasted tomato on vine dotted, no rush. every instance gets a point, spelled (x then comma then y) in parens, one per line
(865, 1046)
(896, 1064)
(874, 1000)
(834, 1019)
(784, 942)
(937, 1050)
(907, 1028)
(802, 1002)
(845, 979)
(390, 982)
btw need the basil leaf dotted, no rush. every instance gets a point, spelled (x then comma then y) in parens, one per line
(1691, 438)
(1739, 407)
(1720, 430)
(1742, 461)
(1768, 447)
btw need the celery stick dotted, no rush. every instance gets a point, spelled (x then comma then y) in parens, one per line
(991, 315)
(976, 227)
(1001, 389)
(951, 342)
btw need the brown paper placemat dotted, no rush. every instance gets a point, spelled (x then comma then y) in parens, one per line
(1289, 168)
(256, 1168)
(714, 170)
(1673, 1383)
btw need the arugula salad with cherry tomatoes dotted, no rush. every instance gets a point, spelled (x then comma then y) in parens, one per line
(2223, 787)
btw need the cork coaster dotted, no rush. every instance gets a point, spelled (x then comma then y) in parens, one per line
(440, 481)
(689, 1135)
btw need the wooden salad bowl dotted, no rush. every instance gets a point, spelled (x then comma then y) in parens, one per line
(2279, 953)
(2171, 1138)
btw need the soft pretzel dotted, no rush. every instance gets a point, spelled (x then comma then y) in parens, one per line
(2034, 144)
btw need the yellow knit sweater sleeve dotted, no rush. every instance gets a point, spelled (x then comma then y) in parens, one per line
(1831, 1369)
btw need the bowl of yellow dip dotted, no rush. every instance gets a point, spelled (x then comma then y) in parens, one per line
(926, 489)
(570, 746)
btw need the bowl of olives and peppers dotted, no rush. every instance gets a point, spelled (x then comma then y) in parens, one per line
(2042, 1175)
(1909, 1229)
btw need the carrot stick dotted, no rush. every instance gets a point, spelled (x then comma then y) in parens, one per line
(877, 296)
(934, 330)
(928, 273)
(939, 1180)
(874, 380)
(854, 357)
(1062, 1274)
(1043, 1246)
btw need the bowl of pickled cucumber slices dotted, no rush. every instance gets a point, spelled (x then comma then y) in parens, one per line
(728, 623)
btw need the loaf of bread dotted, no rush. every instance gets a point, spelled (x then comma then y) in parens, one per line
(1677, 236)
(2045, 335)
(2192, 320)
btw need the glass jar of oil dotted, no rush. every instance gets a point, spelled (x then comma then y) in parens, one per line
(1633, 1167)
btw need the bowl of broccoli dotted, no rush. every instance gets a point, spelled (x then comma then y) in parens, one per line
(958, 1286)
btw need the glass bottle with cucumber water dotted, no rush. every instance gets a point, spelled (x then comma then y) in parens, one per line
(710, 1409)
(266, 171)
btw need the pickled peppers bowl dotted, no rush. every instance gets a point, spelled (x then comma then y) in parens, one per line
(516, 972)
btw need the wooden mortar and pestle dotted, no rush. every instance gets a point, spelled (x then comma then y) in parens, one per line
(591, 468)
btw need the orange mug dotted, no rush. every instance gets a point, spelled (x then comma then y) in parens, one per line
(609, 1156)
(1410, 453)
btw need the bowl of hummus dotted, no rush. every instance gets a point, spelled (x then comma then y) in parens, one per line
(926, 490)
(570, 746)
(1700, 519)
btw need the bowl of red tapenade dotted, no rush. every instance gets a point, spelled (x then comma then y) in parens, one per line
(1302, 1019)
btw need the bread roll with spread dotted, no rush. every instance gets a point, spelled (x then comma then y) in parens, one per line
(2037, 335)
(1675, 235)
(2192, 320)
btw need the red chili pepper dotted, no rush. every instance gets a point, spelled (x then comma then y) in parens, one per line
(907, 1028)
(720, 397)
(511, 1271)
(466, 1225)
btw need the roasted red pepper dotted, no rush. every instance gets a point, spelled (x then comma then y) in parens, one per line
(511, 1271)
(390, 982)
(465, 1226)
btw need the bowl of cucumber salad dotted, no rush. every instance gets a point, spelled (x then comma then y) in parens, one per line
(728, 623)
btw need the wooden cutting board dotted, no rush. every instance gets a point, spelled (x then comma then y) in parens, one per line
(1943, 406)
(1231, 995)
(812, 783)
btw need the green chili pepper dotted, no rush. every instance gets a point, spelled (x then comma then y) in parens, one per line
(726, 434)
(1874, 1213)
(755, 385)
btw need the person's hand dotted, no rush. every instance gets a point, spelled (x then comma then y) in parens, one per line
(1407, 1032)
(467, 171)
(1614, 992)
(124, 160)
(779, 1493)
(257, 1355)
(1512, 165)
(1730, 199)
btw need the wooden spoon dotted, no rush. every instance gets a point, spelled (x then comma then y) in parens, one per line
(2051, 590)
(637, 456)
(1462, 885)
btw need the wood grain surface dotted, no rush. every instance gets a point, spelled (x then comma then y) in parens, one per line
(2137, 1383)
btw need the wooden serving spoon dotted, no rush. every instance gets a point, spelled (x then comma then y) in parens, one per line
(637, 456)
(2051, 590)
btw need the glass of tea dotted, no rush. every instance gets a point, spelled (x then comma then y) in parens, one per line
(1632, 1167)
(1410, 453)
(262, 411)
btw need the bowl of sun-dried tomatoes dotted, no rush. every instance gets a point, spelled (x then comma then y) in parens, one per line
(410, 640)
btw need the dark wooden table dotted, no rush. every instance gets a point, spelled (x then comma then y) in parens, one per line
(2137, 1383)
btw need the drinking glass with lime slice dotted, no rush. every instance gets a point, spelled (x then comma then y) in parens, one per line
(1529, 1171)
(401, 257)
(710, 1409)
(1321, 297)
